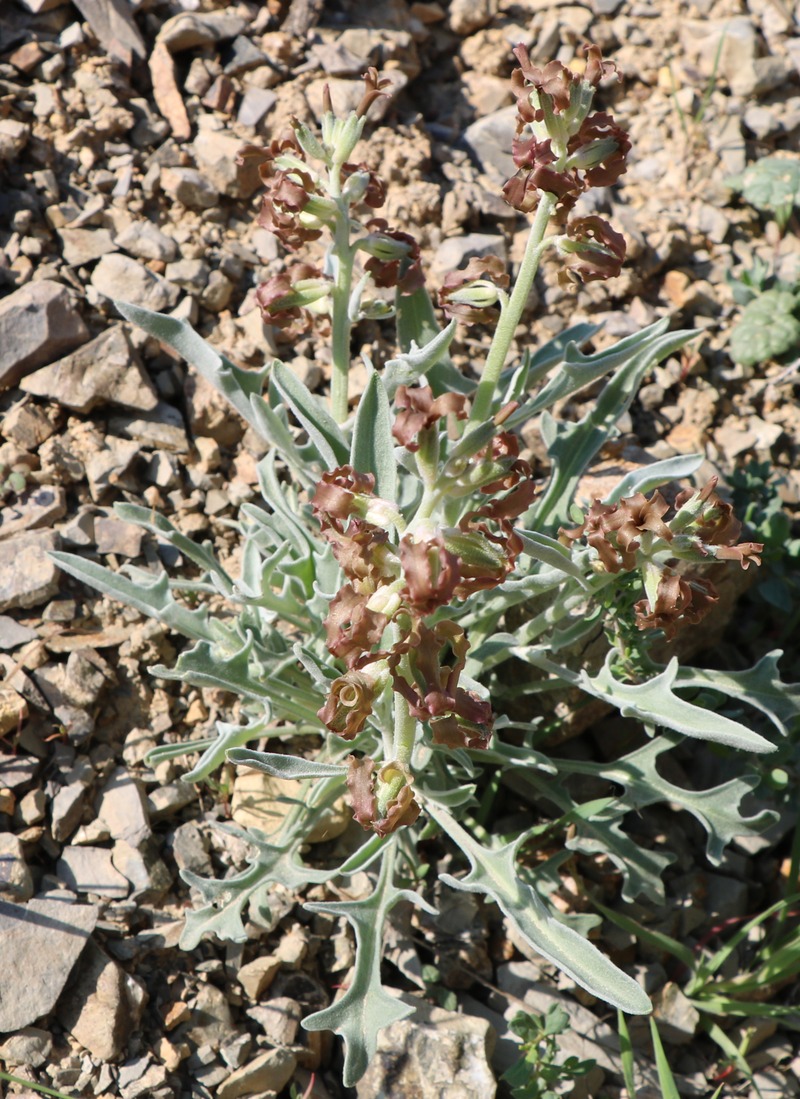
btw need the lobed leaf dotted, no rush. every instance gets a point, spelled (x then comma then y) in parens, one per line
(767, 328)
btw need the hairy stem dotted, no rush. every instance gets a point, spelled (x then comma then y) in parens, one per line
(509, 318)
(342, 254)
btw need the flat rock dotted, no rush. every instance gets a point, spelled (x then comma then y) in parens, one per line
(28, 576)
(39, 508)
(13, 633)
(81, 246)
(269, 1071)
(188, 30)
(121, 278)
(454, 252)
(144, 240)
(90, 870)
(16, 883)
(113, 25)
(434, 1053)
(39, 944)
(216, 153)
(30, 1047)
(38, 323)
(104, 371)
(489, 141)
(122, 808)
(17, 770)
(113, 535)
(190, 187)
(162, 428)
(96, 1007)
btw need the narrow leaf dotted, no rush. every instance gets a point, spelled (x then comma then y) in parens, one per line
(322, 429)
(372, 450)
(280, 766)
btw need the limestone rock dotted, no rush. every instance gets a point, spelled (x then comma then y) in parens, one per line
(81, 246)
(96, 1008)
(28, 577)
(38, 508)
(39, 944)
(105, 370)
(489, 141)
(90, 870)
(467, 16)
(29, 1046)
(16, 883)
(270, 1071)
(123, 279)
(144, 240)
(190, 29)
(122, 808)
(434, 1053)
(38, 323)
(216, 153)
(190, 187)
(13, 138)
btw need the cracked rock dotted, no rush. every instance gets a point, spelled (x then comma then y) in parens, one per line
(28, 576)
(38, 323)
(106, 370)
(123, 279)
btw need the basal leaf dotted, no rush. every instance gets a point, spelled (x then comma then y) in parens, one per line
(493, 873)
(759, 686)
(160, 526)
(772, 183)
(646, 478)
(228, 737)
(281, 766)
(236, 384)
(767, 328)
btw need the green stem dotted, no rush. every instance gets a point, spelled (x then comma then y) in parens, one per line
(405, 726)
(341, 325)
(509, 318)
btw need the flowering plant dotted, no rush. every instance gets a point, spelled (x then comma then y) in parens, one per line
(399, 540)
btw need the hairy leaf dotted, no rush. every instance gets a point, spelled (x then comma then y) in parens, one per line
(281, 766)
(772, 183)
(372, 449)
(767, 328)
(759, 686)
(424, 346)
(322, 429)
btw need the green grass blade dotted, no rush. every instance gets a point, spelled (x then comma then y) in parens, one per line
(666, 1080)
(626, 1053)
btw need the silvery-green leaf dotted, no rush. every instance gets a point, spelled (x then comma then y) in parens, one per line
(228, 737)
(551, 552)
(322, 429)
(372, 449)
(280, 766)
(236, 384)
(417, 329)
(365, 1008)
(552, 352)
(767, 328)
(148, 593)
(572, 446)
(410, 365)
(273, 428)
(759, 686)
(646, 478)
(159, 525)
(771, 183)
(494, 873)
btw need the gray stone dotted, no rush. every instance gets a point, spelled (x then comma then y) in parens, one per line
(210, 1022)
(467, 16)
(38, 323)
(30, 1047)
(489, 141)
(454, 252)
(96, 1007)
(189, 187)
(432, 1054)
(190, 29)
(40, 507)
(216, 152)
(167, 800)
(39, 944)
(269, 1071)
(676, 1015)
(114, 535)
(189, 274)
(255, 103)
(13, 633)
(27, 425)
(81, 246)
(16, 883)
(122, 808)
(113, 26)
(106, 468)
(279, 1019)
(123, 279)
(67, 807)
(14, 137)
(17, 770)
(106, 370)
(217, 293)
(28, 576)
(189, 849)
(162, 428)
(144, 240)
(90, 870)
(147, 874)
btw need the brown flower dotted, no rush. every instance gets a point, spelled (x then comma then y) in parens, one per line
(352, 629)
(471, 294)
(679, 602)
(594, 249)
(349, 704)
(400, 811)
(602, 147)
(284, 299)
(615, 530)
(341, 493)
(375, 192)
(431, 572)
(373, 89)
(712, 522)
(419, 409)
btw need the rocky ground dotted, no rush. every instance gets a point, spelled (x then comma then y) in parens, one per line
(119, 127)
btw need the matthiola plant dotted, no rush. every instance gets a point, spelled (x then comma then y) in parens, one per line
(371, 611)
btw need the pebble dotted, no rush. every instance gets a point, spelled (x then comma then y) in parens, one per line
(122, 808)
(467, 16)
(191, 29)
(40, 507)
(39, 944)
(29, 1047)
(144, 240)
(67, 806)
(677, 1017)
(189, 274)
(189, 849)
(162, 428)
(13, 709)
(113, 535)
(28, 576)
(80, 246)
(147, 873)
(489, 141)
(210, 1021)
(121, 278)
(38, 323)
(12, 635)
(190, 187)
(105, 370)
(16, 882)
(27, 425)
(254, 105)
(269, 1071)
(106, 468)
(90, 870)
(255, 977)
(14, 137)
(96, 1008)
(454, 252)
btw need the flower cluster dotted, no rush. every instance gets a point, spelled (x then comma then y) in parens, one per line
(634, 534)
(562, 149)
(377, 624)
